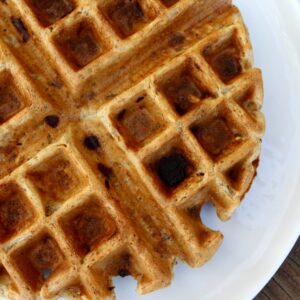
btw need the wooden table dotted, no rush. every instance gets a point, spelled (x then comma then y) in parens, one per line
(285, 285)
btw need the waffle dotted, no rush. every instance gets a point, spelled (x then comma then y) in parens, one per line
(119, 120)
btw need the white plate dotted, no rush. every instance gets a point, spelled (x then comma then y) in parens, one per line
(265, 227)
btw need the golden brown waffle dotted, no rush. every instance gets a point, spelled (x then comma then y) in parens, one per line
(119, 120)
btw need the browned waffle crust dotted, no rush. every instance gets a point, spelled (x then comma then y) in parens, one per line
(119, 119)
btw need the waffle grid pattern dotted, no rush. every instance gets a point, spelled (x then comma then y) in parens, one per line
(89, 193)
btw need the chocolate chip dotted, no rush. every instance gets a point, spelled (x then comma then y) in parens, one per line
(139, 99)
(91, 142)
(123, 272)
(121, 114)
(56, 83)
(227, 65)
(106, 172)
(137, 10)
(52, 120)
(255, 163)
(21, 28)
(173, 169)
(194, 211)
(46, 273)
(233, 174)
(90, 95)
(107, 184)
(169, 3)
(176, 39)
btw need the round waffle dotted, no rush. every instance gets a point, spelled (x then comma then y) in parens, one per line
(119, 120)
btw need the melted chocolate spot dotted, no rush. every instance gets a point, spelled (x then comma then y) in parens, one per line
(173, 169)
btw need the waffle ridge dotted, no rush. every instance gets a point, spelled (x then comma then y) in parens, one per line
(119, 121)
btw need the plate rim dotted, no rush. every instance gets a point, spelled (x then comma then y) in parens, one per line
(291, 9)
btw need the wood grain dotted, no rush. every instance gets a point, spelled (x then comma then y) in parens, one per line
(285, 284)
